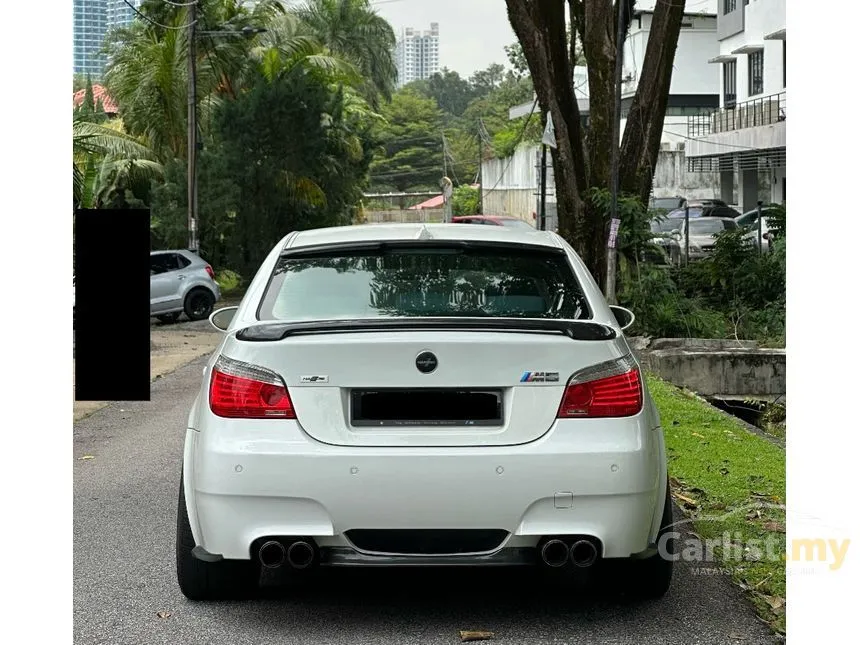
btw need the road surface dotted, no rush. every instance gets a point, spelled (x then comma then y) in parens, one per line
(125, 590)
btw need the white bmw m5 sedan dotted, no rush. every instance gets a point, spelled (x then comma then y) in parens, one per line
(414, 394)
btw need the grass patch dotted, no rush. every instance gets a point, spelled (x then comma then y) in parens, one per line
(728, 481)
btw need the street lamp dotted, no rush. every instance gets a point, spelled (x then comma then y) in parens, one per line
(247, 32)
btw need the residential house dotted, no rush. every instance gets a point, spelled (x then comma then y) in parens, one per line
(744, 140)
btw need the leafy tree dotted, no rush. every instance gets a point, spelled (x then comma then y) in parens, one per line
(451, 92)
(352, 30)
(102, 151)
(411, 139)
(258, 180)
(465, 200)
(485, 81)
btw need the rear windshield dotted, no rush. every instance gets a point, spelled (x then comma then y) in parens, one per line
(682, 212)
(426, 282)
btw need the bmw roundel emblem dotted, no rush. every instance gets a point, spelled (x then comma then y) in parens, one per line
(426, 362)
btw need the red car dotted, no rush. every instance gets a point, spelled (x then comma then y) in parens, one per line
(492, 220)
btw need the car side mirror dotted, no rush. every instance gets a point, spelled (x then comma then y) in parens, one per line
(222, 318)
(624, 316)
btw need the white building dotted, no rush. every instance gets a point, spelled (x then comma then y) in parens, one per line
(417, 54)
(120, 14)
(745, 139)
(694, 90)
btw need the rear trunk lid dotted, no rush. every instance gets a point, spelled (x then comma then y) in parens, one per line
(426, 387)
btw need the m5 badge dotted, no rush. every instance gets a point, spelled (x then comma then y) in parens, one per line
(539, 377)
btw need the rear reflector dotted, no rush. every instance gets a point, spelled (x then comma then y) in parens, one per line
(210, 272)
(612, 389)
(242, 391)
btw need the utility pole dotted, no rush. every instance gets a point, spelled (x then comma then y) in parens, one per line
(543, 187)
(192, 128)
(616, 135)
(480, 170)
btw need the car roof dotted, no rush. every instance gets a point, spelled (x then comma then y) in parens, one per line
(485, 217)
(708, 219)
(418, 231)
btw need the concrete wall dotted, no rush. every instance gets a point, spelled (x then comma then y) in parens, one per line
(721, 372)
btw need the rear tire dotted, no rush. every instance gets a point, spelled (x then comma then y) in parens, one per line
(198, 580)
(650, 578)
(199, 304)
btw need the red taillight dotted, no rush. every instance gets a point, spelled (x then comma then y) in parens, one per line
(210, 272)
(241, 391)
(609, 390)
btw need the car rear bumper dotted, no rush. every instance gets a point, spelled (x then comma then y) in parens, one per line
(599, 478)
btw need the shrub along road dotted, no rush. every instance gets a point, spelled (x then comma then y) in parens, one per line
(127, 463)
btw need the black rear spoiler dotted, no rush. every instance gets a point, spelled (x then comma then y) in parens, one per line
(573, 329)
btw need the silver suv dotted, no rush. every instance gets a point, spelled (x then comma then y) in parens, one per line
(180, 281)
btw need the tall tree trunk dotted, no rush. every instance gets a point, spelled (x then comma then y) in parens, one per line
(540, 26)
(643, 132)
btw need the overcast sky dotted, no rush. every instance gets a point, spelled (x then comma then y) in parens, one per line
(472, 33)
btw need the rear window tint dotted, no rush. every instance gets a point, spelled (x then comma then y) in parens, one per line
(429, 282)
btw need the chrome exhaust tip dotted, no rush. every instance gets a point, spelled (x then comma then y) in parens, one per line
(272, 554)
(300, 555)
(554, 553)
(583, 553)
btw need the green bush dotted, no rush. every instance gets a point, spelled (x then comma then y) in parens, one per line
(228, 280)
(737, 292)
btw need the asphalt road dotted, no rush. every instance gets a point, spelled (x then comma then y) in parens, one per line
(124, 529)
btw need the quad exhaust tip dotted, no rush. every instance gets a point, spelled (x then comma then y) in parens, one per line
(272, 554)
(300, 555)
(583, 553)
(554, 553)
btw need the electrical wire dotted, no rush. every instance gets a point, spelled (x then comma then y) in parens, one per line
(181, 4)
(155, 22)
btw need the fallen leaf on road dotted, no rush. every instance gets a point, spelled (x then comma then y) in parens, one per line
(737, 637)
(85, 457)
(163, 614)
(466, 636)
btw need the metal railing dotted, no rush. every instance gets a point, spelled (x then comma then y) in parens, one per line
(765, 110)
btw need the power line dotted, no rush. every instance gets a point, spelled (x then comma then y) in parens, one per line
(155, 22)
(181, 4)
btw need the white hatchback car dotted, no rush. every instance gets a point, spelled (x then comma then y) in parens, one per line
(414, 394)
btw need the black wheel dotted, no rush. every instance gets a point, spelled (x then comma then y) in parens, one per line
(169, 319)
(198, 580)
(650, 578)
(199, 304)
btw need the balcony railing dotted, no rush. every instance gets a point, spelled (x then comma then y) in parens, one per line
(766, 110)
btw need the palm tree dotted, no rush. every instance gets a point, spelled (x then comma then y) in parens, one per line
(353, 30)
(105, 156)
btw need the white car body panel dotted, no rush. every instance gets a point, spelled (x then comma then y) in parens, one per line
(317, 476)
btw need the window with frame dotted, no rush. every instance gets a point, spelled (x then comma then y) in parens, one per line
(730, 84)
(729, 6)
(756, 73)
